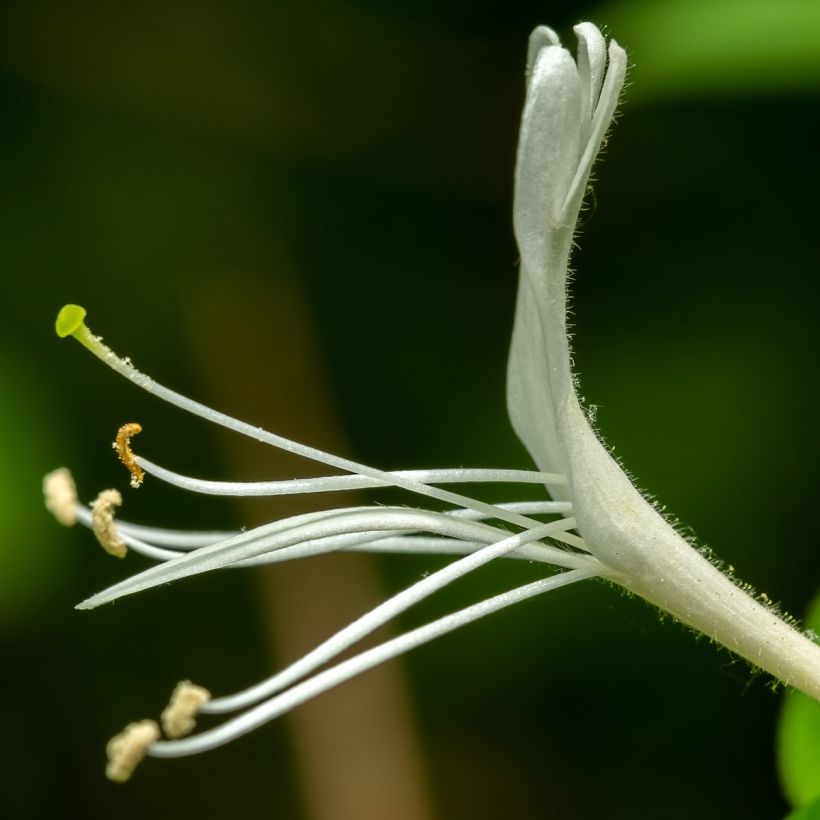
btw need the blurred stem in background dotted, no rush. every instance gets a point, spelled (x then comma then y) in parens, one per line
(357, 748)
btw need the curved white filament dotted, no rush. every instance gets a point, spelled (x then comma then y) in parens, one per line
(389, 609)
(267, 711)
(128, 371)
(340, 483)
(287, 533)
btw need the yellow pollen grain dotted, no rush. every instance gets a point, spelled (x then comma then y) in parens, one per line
(102, 522)
(61, 496)
(123, 447)
(186, 701)
(128, 748)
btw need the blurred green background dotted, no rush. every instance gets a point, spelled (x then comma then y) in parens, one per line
(300, 213)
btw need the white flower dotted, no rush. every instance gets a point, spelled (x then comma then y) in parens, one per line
(601, 525)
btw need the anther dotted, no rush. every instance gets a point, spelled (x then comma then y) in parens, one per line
(102, 522)
(128, 748)
(61, 496)
(178, 718)
(123, 447)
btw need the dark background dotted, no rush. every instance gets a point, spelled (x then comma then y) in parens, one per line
(300, 213)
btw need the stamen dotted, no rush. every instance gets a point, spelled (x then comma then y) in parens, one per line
(284, 702)
(70, 322)
(285, 534)
(149, 540)
(60, 495)
(373, 542)
(389, 609)
(128, 748)
(123, 447)
(85, 516)
(325, 484)
(436, 545)
(178, 539)
(178, 717)
(102, 522)
(193, 539)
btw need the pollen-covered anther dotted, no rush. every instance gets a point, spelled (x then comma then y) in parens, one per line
(123, 447)
(178, 717)
(60, 495)
(103, 525)
(128, 748)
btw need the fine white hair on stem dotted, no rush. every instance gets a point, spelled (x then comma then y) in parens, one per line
(327, 679)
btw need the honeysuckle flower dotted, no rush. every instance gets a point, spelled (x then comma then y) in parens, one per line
(600, 525)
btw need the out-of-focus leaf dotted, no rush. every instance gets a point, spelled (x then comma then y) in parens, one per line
(268, 78)
(702, 47)
(810, 812)
(799, 743)
(31, 557)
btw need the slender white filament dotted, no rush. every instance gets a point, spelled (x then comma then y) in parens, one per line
(298, 694)
(125, 369)
(338, 483)
(389, 609)
(372, 542)
(286, 533)
(139, 538)
(192, 539)
(178, 539)
(142, 547)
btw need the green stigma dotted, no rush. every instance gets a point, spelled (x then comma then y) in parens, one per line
(69, 320)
